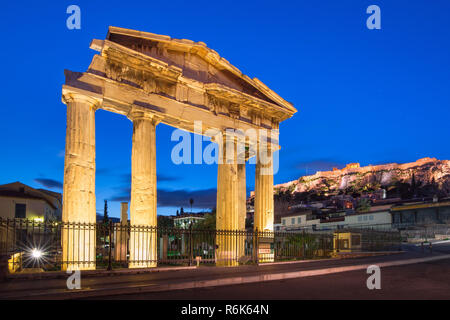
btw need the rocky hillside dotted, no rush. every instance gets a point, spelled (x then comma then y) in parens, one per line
(426, 171)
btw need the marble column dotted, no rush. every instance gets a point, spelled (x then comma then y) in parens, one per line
(79, 211)
(143, 240)
(227, 205)
(264, 208)
(121, 234)
(242, 208)
(124, 213)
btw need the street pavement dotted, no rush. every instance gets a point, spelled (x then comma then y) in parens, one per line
(124, 286)
(423, 281)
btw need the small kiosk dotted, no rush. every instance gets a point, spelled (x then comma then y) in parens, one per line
(346, 241)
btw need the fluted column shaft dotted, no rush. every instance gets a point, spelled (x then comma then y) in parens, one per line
(143, 193)
(264, 208)
(79, 211)
(121, 234)
(264, 215)
(242, 207)
(227, 215)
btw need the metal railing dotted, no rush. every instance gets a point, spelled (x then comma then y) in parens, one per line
(51, 246)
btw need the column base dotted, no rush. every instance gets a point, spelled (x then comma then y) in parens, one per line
(263, 258)
(143, 250)
(142, 265)
(79, 266)
(227, 263)
(227, 259)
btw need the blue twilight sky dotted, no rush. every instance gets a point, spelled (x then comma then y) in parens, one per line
(368, 96)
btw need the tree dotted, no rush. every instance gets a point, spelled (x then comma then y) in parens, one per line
(249, 223)
(413, 185)
(105, 212)
(178, 213)
(105, 222)
(191, 202)
(400, 189)
(165, 222)
(208, 223)
(363, 205)
(181, 211)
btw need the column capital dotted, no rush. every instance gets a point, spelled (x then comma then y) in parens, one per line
(69, 96)
(229, 135)
(269, 147)
(135, 115)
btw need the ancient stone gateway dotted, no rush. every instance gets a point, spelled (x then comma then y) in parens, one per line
(152, 78)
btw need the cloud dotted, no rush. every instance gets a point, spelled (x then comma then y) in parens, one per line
(123, 195)
(318, 165)
(162, 178)
(49, 183)
(126, 178)
(203, 199)
(103, 171)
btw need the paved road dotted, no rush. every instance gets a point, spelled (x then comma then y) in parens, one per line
(121, 284)
(26, 287)
(438, 247)
(419, 281)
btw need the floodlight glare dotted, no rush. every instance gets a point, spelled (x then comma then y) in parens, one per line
(36, 253)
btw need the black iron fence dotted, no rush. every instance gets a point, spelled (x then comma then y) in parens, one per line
(60, 245)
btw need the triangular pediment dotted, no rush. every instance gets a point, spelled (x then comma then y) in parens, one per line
(196, 61)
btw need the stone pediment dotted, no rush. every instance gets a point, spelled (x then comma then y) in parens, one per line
(171, 59)
(178, 82)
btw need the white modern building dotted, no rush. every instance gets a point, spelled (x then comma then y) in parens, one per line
(378, 217)
(298, 221)
(18, 200)
(186, 220)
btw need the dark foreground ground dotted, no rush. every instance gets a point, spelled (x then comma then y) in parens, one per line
(418, 281)
(421, 280)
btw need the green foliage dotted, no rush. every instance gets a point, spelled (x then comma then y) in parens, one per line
(248, 223)
(105, 212)
(209, 223)
(363, 205)
(304, 240)
(165, 222)
(291, 188)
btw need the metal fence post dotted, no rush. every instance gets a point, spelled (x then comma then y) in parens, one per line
(190, 244)
(304, 244)
(256, 246)
(110, 229)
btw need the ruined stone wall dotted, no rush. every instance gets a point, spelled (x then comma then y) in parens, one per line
(424, 170)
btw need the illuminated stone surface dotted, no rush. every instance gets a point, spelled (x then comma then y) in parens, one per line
(264, 210)
(425, 171)
(79, 184)
(227, 214)
(242, 208)
(121, 234)
(153, 78)
(143, 192)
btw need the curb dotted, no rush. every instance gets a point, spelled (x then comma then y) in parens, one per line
(292, 262)
(102, 292)
(93, 273)
(344, 256)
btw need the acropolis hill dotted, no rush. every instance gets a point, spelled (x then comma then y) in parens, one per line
(425, 171)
